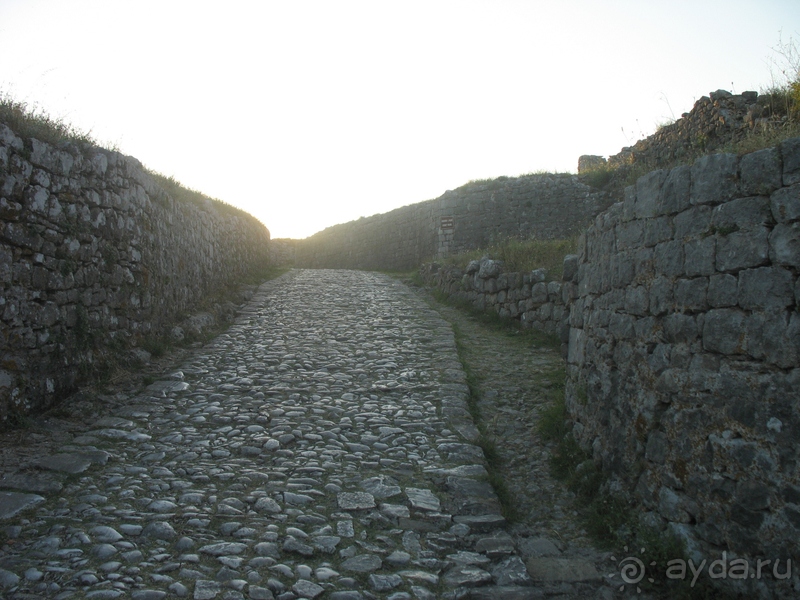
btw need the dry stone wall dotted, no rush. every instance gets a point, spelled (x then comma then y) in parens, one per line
(473, 216)
(529, 298)
(282, 252)
(684, 353)
(94, 255)
(681, 317)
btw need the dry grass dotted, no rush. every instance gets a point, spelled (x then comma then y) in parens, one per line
(523, 255)
(30, 121)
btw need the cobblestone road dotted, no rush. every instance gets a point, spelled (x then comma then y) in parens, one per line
(320, 448)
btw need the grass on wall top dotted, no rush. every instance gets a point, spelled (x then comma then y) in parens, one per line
(520, 256)
(30, 121)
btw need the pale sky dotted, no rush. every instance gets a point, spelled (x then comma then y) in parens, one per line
(312, 113)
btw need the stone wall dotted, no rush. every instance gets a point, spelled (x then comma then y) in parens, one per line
(94, 255)
(473, 216)
(526, 297)
(282, 252)
(684, 352)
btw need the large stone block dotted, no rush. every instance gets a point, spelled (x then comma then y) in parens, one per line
(742, 213)
(723, 290)
(699, 255)
(628, 203)
(690, 294)
(761, 172)
(773, 337)
(743, 250)
(784, 245)
(539, 293)
(620, 326)
(599, 245)
(680, 328)
(675, 191)
(715, 179)
(648, 192)
(766, 288)
(692, 223)
(668, 258)
(785, 204)
(637, 300)
(554, 291)
(661, 296)
(790, 154)
(577, 346)
(629, 234)
(569, 292)
(570, 268)
(723, 331)
(621, 270)
(643, 263)
(657, 230)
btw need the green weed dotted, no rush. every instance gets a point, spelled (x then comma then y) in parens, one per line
(156, 346)
(552, 423)
(599, 176)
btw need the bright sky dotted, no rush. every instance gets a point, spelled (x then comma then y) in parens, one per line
(308, 113)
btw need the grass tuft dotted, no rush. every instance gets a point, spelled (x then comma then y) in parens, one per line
(29, 120)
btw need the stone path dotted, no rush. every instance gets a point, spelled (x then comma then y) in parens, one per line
(320, 448)
(513, 380)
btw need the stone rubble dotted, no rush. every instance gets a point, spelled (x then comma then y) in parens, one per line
(320, 448)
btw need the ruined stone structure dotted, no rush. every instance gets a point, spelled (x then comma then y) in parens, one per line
(714, 121)
(682, 317)
(94, 255)
(473, 216)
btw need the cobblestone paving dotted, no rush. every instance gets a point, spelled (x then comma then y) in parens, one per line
(320, 448)
(513, 381)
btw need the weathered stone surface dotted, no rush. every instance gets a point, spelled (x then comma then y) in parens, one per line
(363, 563)
(561, 569)
(223, 548)
(743, 250)
(308, 589)
(785, 204)
(422, 499)
(490, 269)
(761, 172)
(766, 288)
(790, 155)
(784, 242)
(675, 190)
(12, 503)
(466, 576)
(30, 482)
(714, 179)
(356, 500)
(381, 487)
(648, 192)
